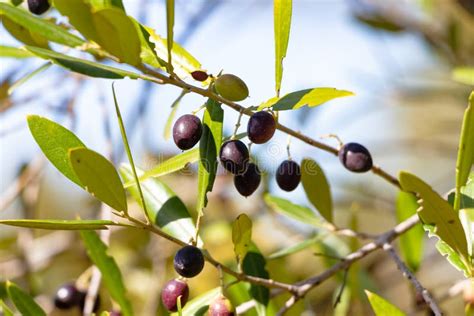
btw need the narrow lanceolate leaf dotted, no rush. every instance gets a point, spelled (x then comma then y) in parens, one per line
(23, 34)
(169, 121)
(300, 213)
(466, 213)
(40, 26)
(169, 31)
(465, 159)
(209, 147)
(5, 309)
(25, 304)
(111, 275)
(436, 212)
(14, 52)
(165, 209)
(103, 4)
(381, 306)
(55, 141)
(82, 66)
(411, 243)
(241, 236)
(200, 304)
(316, 187)
(297, 247)
(56, 224)
(99, 177)
(183, 62)
(24, 79)
(308, 97)
(282, 10)
(464, 75)
(254, 265)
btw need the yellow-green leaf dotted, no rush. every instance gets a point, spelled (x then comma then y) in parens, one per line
(464, 75)
(381, 306)
(25, 304)
(14, 52)
(99, 177)
(309, 97)
(57, 224)
(5, 309)
(241, 235)
(23, 34)
(169, 32)
(282, 10)
(316, 187)
(55, 141)
(436, 212)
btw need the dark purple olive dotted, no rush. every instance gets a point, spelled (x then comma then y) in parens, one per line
(247, 182)
(170, 293)
(221, 306)
(199, 75)
(288, 175)
(261, 127)
(189, 261)
(38, 6)
(67, 296)
(187, 131)
(355, 157)
(234, 156)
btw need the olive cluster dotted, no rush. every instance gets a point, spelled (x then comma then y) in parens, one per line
(188, 263)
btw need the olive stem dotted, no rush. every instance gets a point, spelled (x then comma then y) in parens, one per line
(288, 144)
(237, 125)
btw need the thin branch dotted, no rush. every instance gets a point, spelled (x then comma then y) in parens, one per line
(411, 277)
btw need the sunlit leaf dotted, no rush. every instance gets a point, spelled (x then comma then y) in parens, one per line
(309, 97)
(464, 75)
(465, 159)
(79, 13)
(57, 224)
(316, 187)
(466, 216)
(381, 306)
(436, 212)
(25, 304)
(300, 213)
(200, 304)
(22, 34)
(209, 147)
(45, 28)
(111, 275)
(282, 10)
(241, 235)
(99, 177)
(103, 4)
(55, 141)
(165, 209)
(411, 243)
(14, 52)
(254, 264)
(169, 31)
(5, 309)
(82, 66)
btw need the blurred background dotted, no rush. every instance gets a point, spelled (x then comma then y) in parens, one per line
(397, 56)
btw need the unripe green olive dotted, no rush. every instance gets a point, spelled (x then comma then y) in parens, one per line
(231, 87)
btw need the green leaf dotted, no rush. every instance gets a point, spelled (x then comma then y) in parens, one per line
(169, 121)
(23, 34)
(254, 265)
(82, 66)
(200, 304)
(55, 142)
(117, 35)
(45, 28)
(183, 62)
(209, 147)
(437, 212)
(297, 212)
(14, 52)
(103, 4)
(25, 304)
(465, 159)
(99, 177)
(297, 247)
(165, 209)
(5, 309)
(147, 54)
(57, 224)
(241, 236)
(464, 75)
(309, 97)
(169, 31)
(111, 275)
(79, 13)
(282, 23)
(316, 187)
(27, 77)
(382, 307)
(411, 243)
